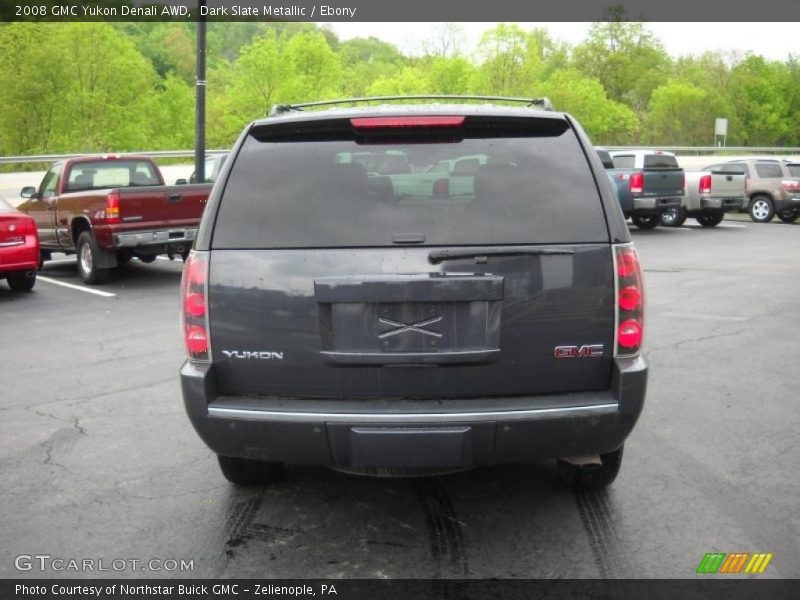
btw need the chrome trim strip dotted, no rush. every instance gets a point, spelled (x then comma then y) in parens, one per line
(315, 417)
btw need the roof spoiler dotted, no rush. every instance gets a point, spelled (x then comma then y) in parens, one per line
(541, 103)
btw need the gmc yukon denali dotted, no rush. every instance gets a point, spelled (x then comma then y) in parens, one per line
(331, 319)
(108, 209)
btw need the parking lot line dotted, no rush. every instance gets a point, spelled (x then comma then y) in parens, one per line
(703, 317)
(80, 288)
(721, 225)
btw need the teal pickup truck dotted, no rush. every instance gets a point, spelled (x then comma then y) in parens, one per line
(649, 183)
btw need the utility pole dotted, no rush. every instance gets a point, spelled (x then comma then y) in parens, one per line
(200, 97)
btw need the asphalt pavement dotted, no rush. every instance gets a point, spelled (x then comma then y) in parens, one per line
(98, 460)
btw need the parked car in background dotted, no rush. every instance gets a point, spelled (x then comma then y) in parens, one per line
(649, 182)
(212, 167)
(19, 248)
(424, 332)
(110, 208)
(710, 193)
(772, 187)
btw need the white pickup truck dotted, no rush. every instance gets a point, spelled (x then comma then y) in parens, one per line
(709, 194)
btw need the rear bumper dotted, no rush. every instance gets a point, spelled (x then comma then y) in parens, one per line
(647, 206)
(155, 237)
(788, 203)
(415, 434)
(724, 204)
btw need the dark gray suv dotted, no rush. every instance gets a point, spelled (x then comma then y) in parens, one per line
(426, 320)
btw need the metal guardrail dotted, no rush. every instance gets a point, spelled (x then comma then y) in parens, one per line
(746, 150)
(51, 158)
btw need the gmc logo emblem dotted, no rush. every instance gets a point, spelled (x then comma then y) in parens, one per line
(586, 351)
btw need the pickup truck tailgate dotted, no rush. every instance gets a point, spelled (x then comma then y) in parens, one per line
(158, 205)
(662, 176)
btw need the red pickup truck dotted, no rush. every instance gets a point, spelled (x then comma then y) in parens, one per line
(110, 208)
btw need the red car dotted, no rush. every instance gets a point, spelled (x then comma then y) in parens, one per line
(19, 248)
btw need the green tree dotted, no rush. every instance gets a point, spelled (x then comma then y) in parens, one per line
(761, 93)
(451, 75)
(683, 114)
(627, 59)
(606, 121)
(86, 89)
(313, 70)
(502, 53)
(410, 81)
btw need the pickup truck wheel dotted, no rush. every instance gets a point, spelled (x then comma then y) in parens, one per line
(591, 477)
(245, 471)
(710, 219)
(788, 216)
(761, 209)
(88, 250)
(673, 217)
(21, 281)
(646, 222)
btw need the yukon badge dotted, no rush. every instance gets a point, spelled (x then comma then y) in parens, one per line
(586, 351)
(253, 355)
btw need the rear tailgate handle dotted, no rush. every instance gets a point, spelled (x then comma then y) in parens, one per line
(176, 197)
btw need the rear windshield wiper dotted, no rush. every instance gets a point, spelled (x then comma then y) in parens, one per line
(437, 256)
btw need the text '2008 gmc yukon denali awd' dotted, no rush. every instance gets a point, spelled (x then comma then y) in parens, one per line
(331, 318)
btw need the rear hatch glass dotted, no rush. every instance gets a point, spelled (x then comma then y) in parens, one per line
(336, 188)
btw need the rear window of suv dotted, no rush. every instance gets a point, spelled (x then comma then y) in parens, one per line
(318, 188)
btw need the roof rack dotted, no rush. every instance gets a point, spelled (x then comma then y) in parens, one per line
(279, 109)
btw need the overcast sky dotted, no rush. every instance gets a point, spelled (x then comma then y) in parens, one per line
(771, 40)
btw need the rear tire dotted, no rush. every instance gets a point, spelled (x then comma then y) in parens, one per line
(21, 281)
(147, 258)
(591, 477)
(788, 216)
(710, 219)
(646, 222)
(761, 209)
(245, 471)
(88, 256)
(673, 217)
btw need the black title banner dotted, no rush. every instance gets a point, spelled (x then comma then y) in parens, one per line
(407, 589)
(399, 11)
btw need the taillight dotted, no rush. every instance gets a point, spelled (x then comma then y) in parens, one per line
(112, 208)
(14, 229)
(441, 188)
(395, 122)
(630, 300)
(194, 294)
(636, 182)
(704, 186)
(791, 185)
